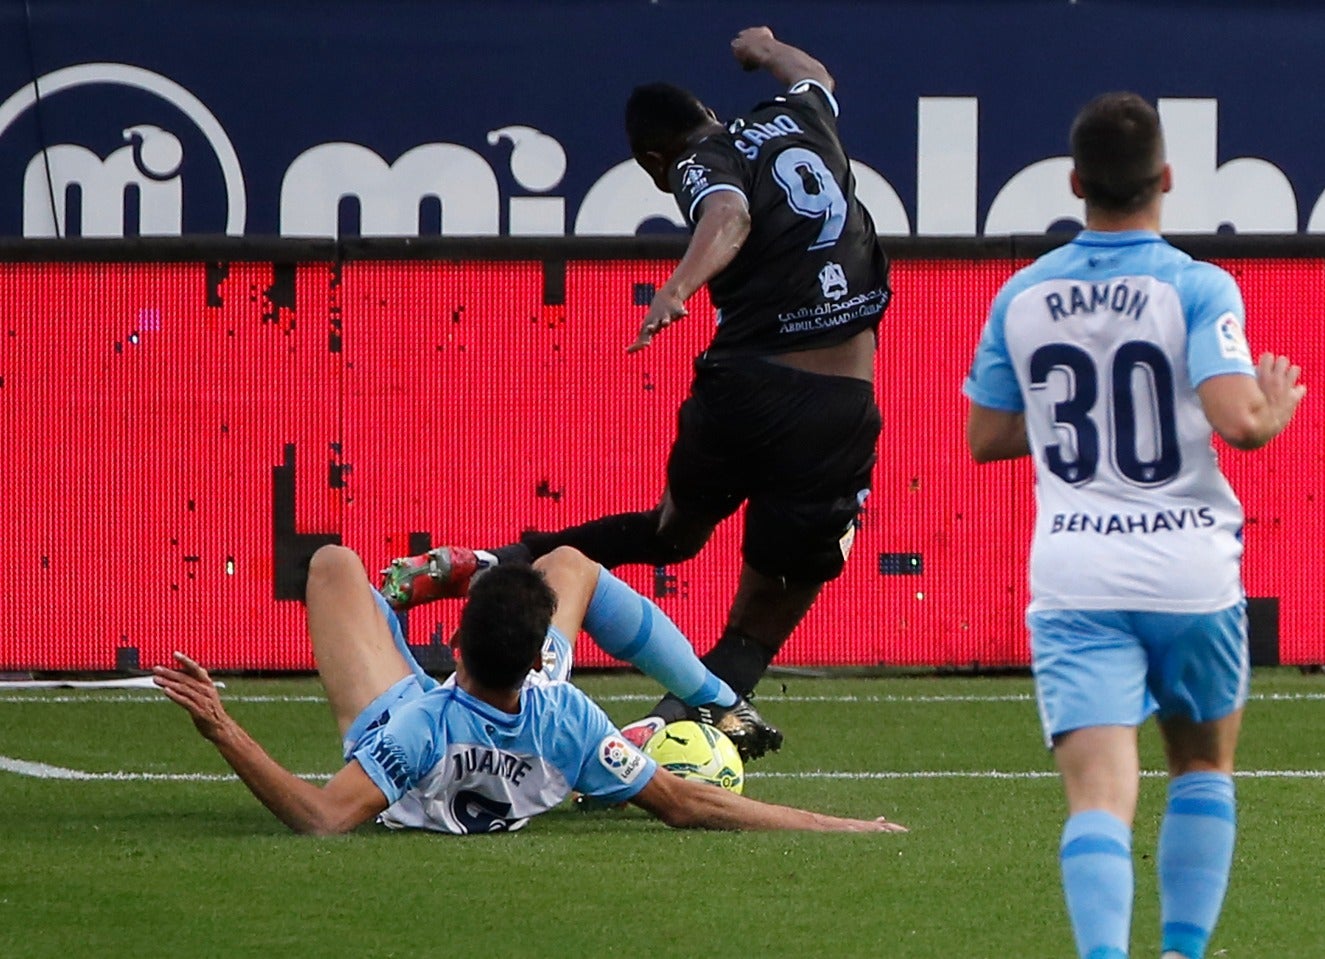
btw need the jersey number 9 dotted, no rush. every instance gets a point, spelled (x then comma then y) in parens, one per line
(812, 192)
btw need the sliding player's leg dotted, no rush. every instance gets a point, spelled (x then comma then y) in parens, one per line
(358, 657)
(627, 626)
(630, 627)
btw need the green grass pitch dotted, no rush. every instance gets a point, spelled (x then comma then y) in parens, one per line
(139, 866)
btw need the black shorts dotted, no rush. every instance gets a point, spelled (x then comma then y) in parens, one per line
(798, 447)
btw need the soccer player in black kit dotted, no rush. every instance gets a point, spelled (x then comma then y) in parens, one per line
(781, 415)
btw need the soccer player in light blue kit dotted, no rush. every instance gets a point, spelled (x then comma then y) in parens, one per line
(506, 737)
(1110, 361)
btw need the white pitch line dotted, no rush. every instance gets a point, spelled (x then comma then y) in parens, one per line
(618, 697)
(36, 697)
(23, 767)
(35, 770)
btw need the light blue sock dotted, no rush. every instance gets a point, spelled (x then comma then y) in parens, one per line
(1096, 859)
(630, 627)
(1195, 855)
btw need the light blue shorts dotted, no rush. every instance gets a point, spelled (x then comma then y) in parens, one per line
(1117, 667)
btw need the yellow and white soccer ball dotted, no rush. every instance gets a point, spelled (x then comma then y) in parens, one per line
(698, 751)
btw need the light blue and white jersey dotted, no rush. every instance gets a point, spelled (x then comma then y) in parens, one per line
(1102, 344)
(450, 762)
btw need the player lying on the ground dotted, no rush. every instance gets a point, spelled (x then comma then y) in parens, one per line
(504, 739)
(613, 619)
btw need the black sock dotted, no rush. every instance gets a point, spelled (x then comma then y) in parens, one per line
(739, 661)
(517, 553)
(671, 709)
(612, 540)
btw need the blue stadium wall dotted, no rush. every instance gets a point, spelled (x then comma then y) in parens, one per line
(475, 117)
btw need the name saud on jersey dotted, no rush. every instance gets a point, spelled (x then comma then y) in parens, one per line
(750, 137)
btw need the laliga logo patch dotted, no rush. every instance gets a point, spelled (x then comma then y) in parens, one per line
(1232, 341)
(620, 758)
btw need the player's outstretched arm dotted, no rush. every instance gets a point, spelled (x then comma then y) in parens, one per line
(756, 47)
(995, 434)
(685, 804)
(349, 799)
(721, 231)
(1247, 413)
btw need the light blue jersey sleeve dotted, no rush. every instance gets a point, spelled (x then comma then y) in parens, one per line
(404, 751)
(607, 766)
(1216, 317)
(992, 383)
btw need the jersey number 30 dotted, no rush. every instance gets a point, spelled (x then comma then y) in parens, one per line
(812, 192)
(1138, 367)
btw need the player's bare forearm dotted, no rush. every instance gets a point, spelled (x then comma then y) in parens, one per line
(722, 230)
(995, 435)
(1247, 413)
(724, 225)
(329, 810)
(725, 810)
(756, 48)
(350, 798)
(685, 804)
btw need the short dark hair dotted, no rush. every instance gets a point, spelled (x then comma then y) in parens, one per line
(1118, 151)
(503, 625)
(659, 116)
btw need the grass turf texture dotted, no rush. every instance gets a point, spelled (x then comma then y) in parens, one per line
(171, 868)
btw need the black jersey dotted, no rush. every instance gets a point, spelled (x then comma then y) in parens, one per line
(811, 273)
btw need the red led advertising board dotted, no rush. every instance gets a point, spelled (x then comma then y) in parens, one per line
(175, 438)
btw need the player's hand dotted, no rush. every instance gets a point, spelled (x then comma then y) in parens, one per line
(886, 826)
(751, 46)
(665, 309)
(192, 688)
(1277, 376)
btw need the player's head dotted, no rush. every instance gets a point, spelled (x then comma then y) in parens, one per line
(503, 625)
(660, 119)
(1118, 154)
